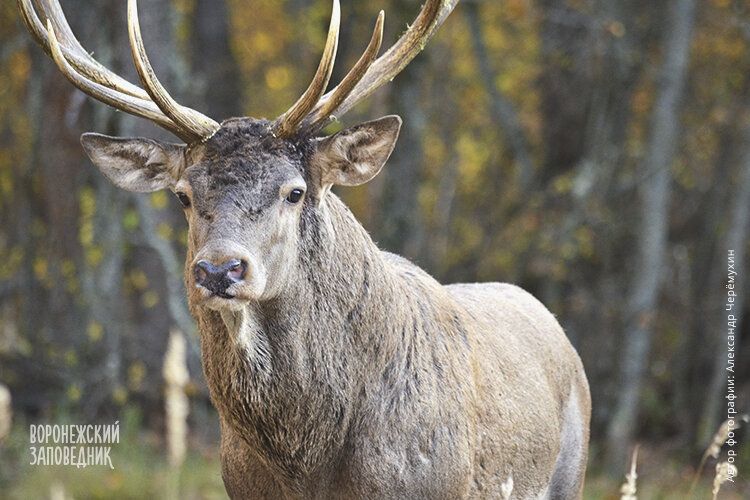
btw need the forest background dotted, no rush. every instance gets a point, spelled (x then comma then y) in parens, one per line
(595, 152)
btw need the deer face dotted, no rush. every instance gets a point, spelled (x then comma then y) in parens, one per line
(244, 191)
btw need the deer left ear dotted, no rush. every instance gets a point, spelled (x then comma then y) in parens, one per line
(355, 155)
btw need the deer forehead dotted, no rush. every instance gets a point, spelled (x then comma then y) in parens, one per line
(244, 162)
(246, 137)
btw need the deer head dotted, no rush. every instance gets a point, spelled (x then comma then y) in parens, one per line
(245, 183)
(244, 192)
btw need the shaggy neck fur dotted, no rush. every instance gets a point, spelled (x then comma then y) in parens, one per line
(292, 375)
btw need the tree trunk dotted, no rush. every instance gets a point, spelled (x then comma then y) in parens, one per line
(502, 109)
(213, 62)
(736, 241)
(707, 269)
(400, 227)
(652, 236)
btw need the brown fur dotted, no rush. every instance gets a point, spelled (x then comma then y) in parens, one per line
(342, 371)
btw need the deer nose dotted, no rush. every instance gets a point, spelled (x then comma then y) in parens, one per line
(217, 279)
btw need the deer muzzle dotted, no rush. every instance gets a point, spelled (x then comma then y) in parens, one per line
(218, 279)
(224, 272)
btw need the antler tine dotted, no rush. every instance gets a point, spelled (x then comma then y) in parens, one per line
(53, 11)
(88, 75)
(132, 105)
(76, 55)
(194, 123)
(288, 123)
(321, 114)
(387, 66)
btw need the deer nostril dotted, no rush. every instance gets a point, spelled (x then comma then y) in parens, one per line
(202, 270)
(236, 269)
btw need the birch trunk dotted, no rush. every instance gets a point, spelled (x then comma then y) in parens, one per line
(654, 193)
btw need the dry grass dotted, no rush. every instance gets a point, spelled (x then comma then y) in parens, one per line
(177, 406)
(628, 489)
(714, 449)
(724, 471)
(671, 472)
(6, 413)
(176, 402)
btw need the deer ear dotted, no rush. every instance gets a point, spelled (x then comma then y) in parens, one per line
(355, 155)
(141, 165)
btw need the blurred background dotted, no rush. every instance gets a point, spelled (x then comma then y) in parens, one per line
(595, 152)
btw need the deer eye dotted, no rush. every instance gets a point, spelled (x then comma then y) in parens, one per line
(183, 199)
(294, 196)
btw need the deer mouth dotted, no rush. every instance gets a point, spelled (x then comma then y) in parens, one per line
(236, 297)
(222, 301)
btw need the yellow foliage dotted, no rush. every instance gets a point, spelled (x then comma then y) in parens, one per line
(562, 184)
(130, 220)
(41, 270)
(74, 392)
(427, 198)
(67, 268)
(136, 373)
(472, 156)
(434, 149)
(87, 202)
(262, 43)
(159, 200)
(120, 395)
(70, 357)
(11, 261)
(6, 180)
(584, 237)
(277, 77)
(150, 299)
(259, 39)
(471, 235)
(184, 7)
(94, 256)
(138, 279)
(95, 331)
(164, 231)
(86, 233)
(20, 65)
(87, 210)
(182, 237)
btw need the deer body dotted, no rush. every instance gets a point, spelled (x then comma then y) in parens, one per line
(363, 377)
(338, 370)
(391, 385)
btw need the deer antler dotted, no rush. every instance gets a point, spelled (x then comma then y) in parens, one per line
(310, 113)
(74, 53)
(186, 118)
(287, 124)
(321, 113)
(367, 74)
(155, 104)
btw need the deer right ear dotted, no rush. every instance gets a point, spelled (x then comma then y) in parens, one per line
(141, 165)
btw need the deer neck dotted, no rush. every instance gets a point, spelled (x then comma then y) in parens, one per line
(287, 373)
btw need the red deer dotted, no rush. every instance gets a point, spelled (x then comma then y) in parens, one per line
(338, 370)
